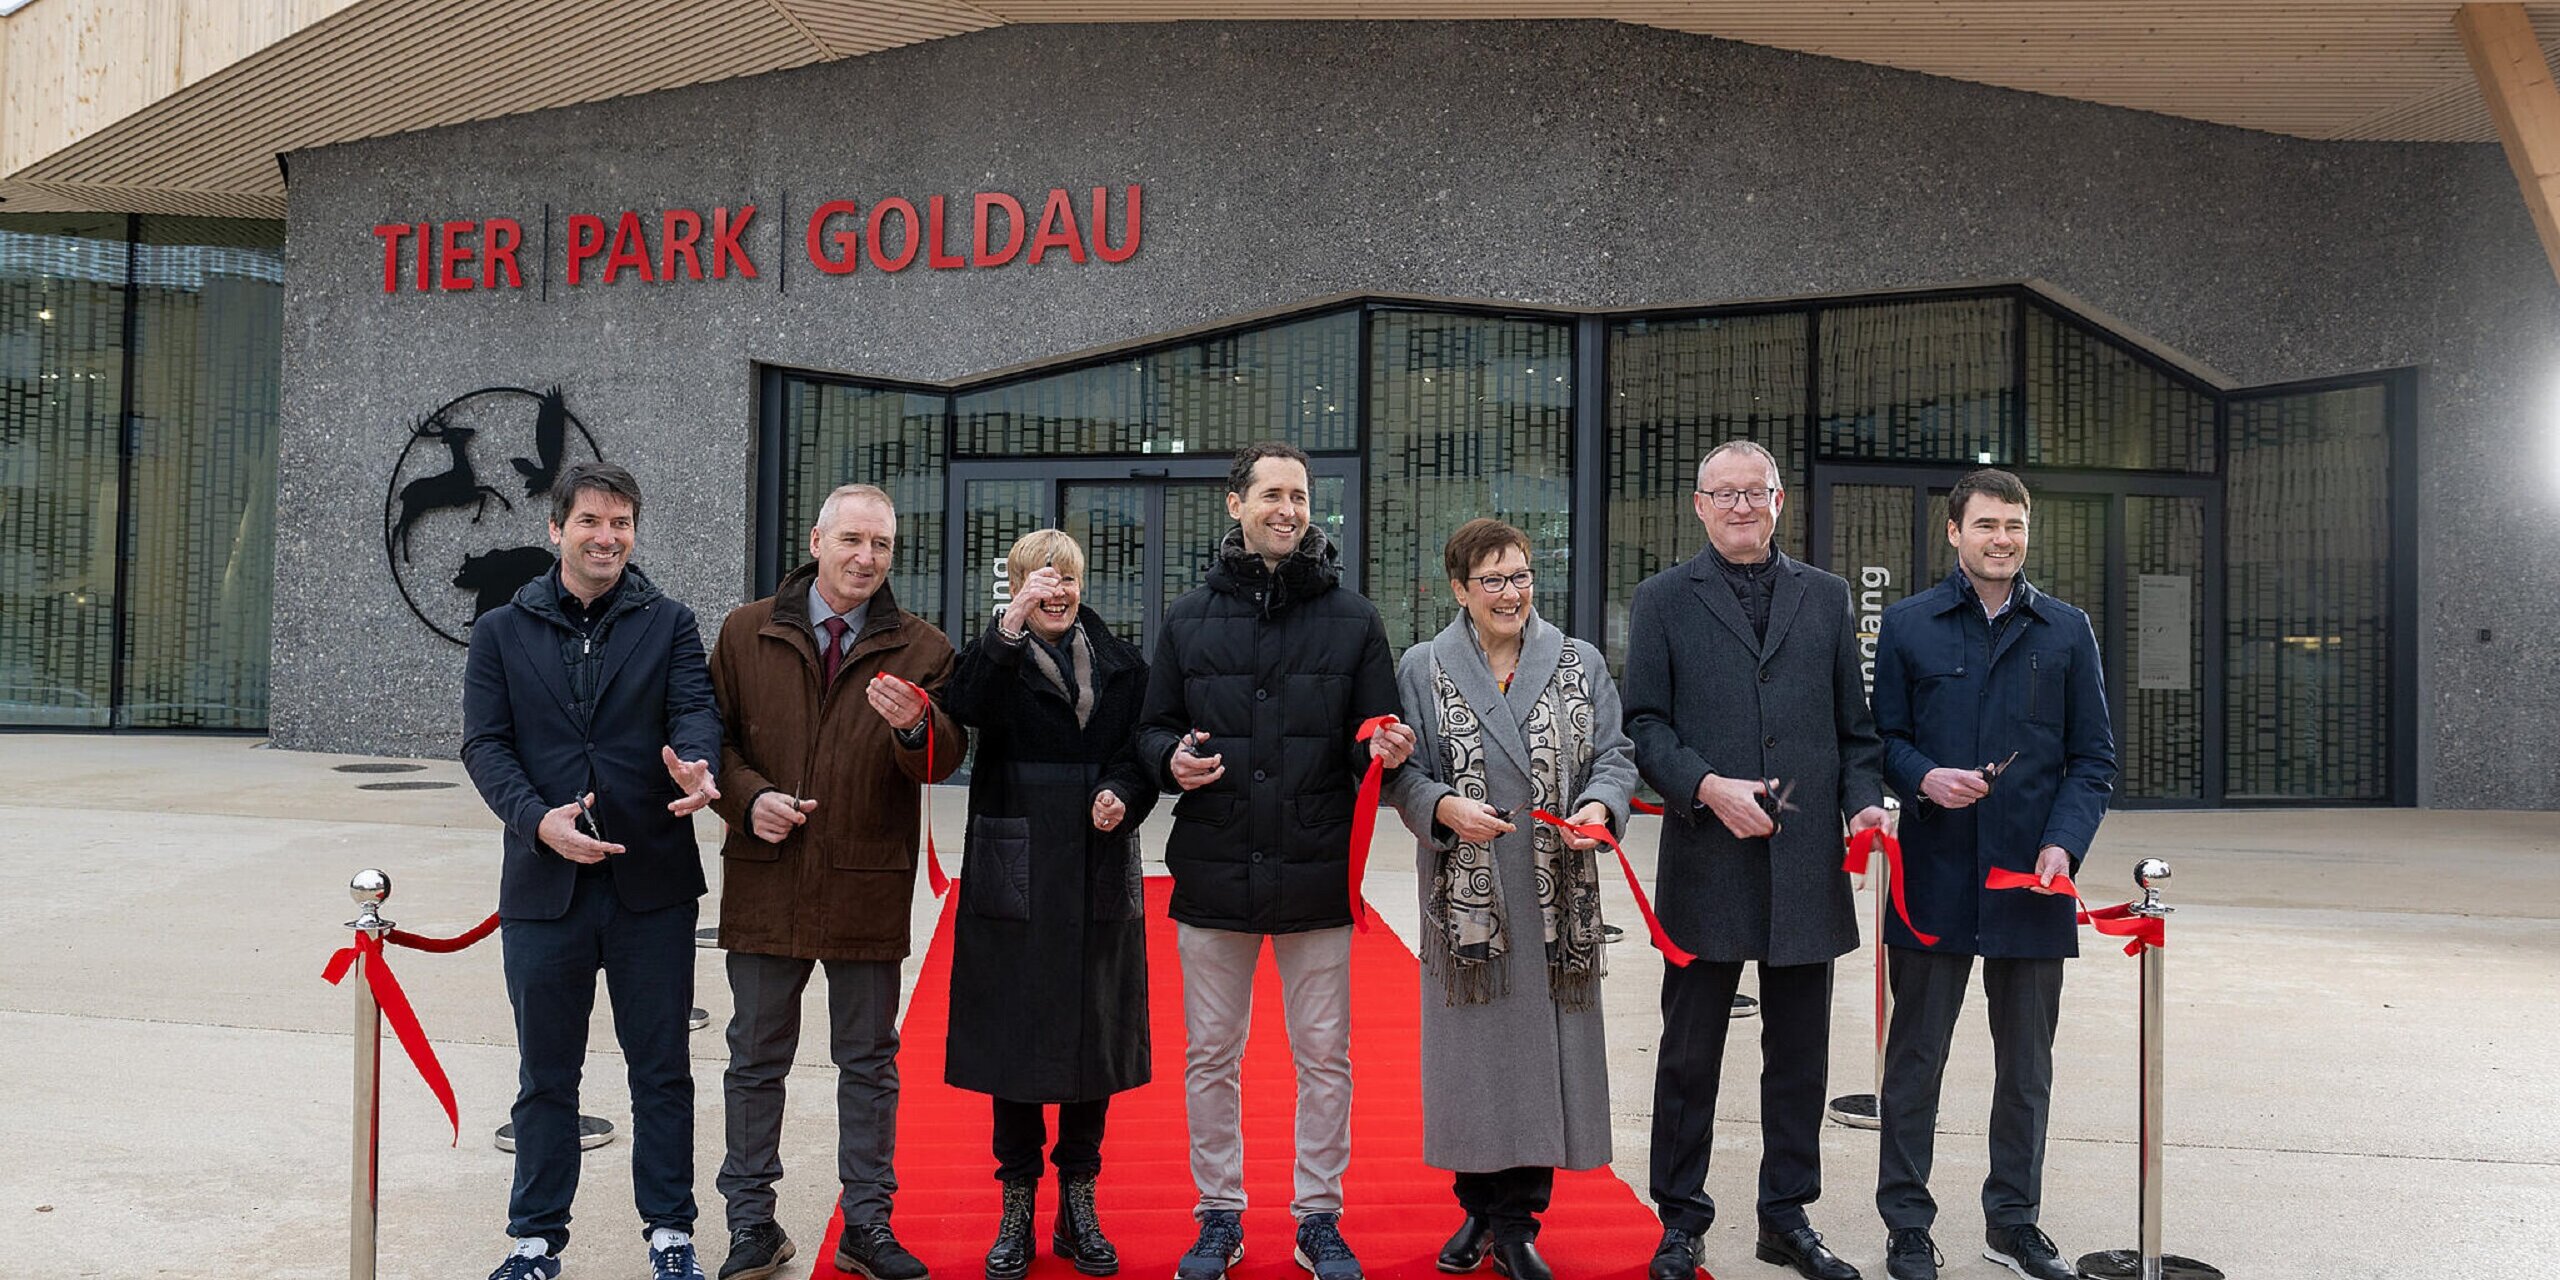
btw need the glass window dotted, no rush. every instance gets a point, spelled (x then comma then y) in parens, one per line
(1297, 382)
(2161, 724)
(1678, 388)
(2093, 403)
(208, 299)
(1919, 381)
(62, 286)
(2308, 555)
(836, 433)
(1469, 416)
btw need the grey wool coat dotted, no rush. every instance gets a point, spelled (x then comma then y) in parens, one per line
(1518, 1080)
(1705, 695)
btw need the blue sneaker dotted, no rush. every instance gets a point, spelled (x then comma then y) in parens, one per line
(1221, 1242)
(531, 1260)
(1321, 1250)
(675, 1261)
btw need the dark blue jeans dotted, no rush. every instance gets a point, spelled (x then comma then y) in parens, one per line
(647, 958)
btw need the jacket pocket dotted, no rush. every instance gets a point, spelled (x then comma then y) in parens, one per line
(2044, 688)
(1116, 880)
(1208, 808)
(995, 868)
(1322, 811)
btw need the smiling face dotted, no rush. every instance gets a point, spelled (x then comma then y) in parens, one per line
(853, 545)
(595, 544)
(1051, 617)
(1990, 541)
(1741, 534)
(1499, 615)
(1273, 509)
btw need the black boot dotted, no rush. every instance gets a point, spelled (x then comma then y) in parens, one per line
(1077, 1234)
(1010, 1256)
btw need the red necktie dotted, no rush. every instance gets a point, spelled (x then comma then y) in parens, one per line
(834, 656)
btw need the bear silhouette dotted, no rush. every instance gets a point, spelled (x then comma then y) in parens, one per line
(496, 575)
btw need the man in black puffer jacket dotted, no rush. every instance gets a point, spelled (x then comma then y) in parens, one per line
(1260, 683)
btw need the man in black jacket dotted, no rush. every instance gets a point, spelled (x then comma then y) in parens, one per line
(1259, 685)
(589, 729)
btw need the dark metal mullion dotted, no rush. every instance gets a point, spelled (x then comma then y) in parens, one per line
(2018, 377)
(772, 455)
(1588, 584)
(1151, 563)
(2400, 726)
(1357, 565)
(2214, 705)
(128, 443)
(2114, 660)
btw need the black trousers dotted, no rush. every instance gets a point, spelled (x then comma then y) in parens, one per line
(1021, 1130)
(1795, 1059)
(1509, 1201)
(550, 967)
(2025, 999)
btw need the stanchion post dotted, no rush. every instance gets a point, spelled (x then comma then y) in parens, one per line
(370, 888)
(1866, 1110)
(2148, 1262)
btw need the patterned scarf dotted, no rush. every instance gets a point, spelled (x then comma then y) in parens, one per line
(1472, 932)
(1075, 685)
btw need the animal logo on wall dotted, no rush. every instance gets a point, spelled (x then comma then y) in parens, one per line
(466, 519)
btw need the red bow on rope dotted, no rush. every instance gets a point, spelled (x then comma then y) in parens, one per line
(2118, 921)
(395, 1002)
(1671, 951)
(932, 858)
(1855, 863)
(1364, 817)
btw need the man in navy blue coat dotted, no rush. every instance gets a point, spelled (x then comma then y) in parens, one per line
(1993, 710)
(589, 728)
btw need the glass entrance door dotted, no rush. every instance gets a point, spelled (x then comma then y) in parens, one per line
(2131, 551)
(1148, 528)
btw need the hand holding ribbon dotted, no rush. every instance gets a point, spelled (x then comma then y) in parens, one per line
(2118, 921)
(1865, 843)
(1671, 951)
(1364, 813)
(932, 858)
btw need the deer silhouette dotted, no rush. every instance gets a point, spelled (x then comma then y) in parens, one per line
(451, 489)
(550, 441)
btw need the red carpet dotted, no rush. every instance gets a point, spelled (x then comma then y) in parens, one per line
(1397, 1212)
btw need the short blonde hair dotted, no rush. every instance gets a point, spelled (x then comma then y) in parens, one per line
(1054, 547)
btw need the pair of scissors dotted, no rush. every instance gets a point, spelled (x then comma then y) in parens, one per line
(1774, 801)
(1991, 772)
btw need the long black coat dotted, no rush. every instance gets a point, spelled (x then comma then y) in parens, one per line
(1049, 952)
(1279, 669)
(1706, 695)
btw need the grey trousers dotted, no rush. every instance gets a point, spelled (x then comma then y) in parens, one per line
(1217, 1012)
(764, 1033)
(2025, 999)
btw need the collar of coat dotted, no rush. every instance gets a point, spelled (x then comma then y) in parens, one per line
(2023, 596)
(541, 597)
(790, 621)
(1457, 653)
(1708, 581)
(1311, 570)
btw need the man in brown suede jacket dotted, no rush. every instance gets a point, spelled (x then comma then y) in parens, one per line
(820, 773)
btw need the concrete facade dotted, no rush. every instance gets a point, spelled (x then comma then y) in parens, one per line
(1570, 164)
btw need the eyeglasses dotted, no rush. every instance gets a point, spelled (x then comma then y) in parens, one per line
(1726, 499)
(1493, 583)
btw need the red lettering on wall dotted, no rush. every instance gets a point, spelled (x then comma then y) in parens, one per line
(1058, 228)
(906, 234)
(934, 257)
(498, 252)
(848, 254)
(390, 234)
(586, 240)
(450, 254)
(725, 245)
(1100, 225)
(630, 249)
(679, 236)
(983, 204)
(426, 260)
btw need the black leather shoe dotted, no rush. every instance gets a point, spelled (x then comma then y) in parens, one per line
(1010, 1256)
(872, 1251)
(1802, 1249)
(756, 1250)
(1520, 1261)
(1909, 1254)
(1076, 1235)
(2027, 1251)
(1676, 1258)
(1465, 1250)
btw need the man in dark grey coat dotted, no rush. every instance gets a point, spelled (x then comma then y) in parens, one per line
(1743, 689)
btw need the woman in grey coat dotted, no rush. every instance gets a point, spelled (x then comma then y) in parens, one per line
(1513, 716)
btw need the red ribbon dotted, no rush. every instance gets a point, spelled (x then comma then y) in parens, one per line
(1662, 942)
(1364, 817)
(2118, 921)
(395, 1007)
(932, 858)
(1855, 863)
(1642, 805)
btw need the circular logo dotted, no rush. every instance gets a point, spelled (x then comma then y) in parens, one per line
(467, 519)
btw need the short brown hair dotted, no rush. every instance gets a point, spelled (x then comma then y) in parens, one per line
(1477, 541)
(1990, 482)
(1054, 547)
(1240, 472)
(593, 477)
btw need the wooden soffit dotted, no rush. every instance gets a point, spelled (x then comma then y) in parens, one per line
(181, 106)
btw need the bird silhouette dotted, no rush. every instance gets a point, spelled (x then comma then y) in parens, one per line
(550, 441)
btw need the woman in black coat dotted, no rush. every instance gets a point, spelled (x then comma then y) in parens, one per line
(1049, 964)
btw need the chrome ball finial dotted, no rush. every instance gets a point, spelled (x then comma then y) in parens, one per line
(369, 887)
(2148, 871)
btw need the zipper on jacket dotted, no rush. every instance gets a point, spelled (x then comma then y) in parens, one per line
(2035, 686)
